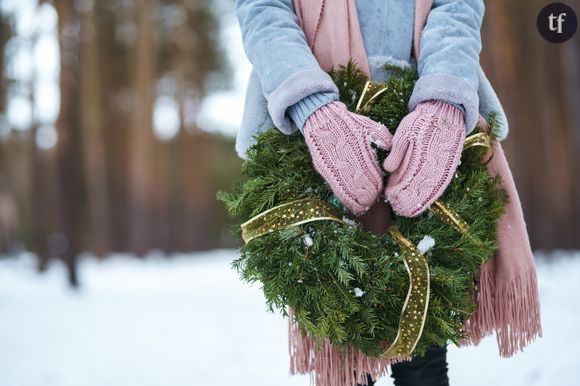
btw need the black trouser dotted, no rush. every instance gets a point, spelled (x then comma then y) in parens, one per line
(430, 370)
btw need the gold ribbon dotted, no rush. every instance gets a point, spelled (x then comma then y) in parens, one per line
(448, 216)
(479, 139)
(444, 213)
(369, 87)
(414, 311)
(289, 214)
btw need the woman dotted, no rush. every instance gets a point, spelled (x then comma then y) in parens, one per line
(292, 45)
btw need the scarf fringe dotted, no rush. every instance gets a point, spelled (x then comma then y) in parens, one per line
(329, 365)
(512, 311)
(482, 321)
(517, 314)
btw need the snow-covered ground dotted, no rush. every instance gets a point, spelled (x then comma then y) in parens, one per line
(189, 321)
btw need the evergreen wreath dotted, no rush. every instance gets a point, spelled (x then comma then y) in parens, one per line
(349, 285)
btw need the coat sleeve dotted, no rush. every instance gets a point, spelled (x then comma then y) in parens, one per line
(293, 82)
(449, 57)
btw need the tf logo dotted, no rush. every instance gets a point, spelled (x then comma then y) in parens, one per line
(557, 22)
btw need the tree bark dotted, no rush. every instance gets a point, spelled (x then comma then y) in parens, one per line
(69, 147)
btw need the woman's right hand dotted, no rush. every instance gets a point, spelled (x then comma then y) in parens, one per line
(340, 145)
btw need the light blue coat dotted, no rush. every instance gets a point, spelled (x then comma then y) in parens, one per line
(287, 84)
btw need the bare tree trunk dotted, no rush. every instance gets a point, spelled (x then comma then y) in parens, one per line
(112, 61)
(69, 151)
(9, 216)
(143, 66)
(37, 200)
(91, 120)
(5, 33)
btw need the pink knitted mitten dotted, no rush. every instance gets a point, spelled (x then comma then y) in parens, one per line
(426, 152)
(340, 145)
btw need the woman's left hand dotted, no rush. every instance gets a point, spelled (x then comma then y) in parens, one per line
(426, 151)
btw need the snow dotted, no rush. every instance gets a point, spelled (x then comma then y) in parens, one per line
(358, 292)
(349, 221)
(189, 321)
(426, 243)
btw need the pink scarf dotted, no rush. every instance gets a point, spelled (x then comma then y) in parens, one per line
(508, 299)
